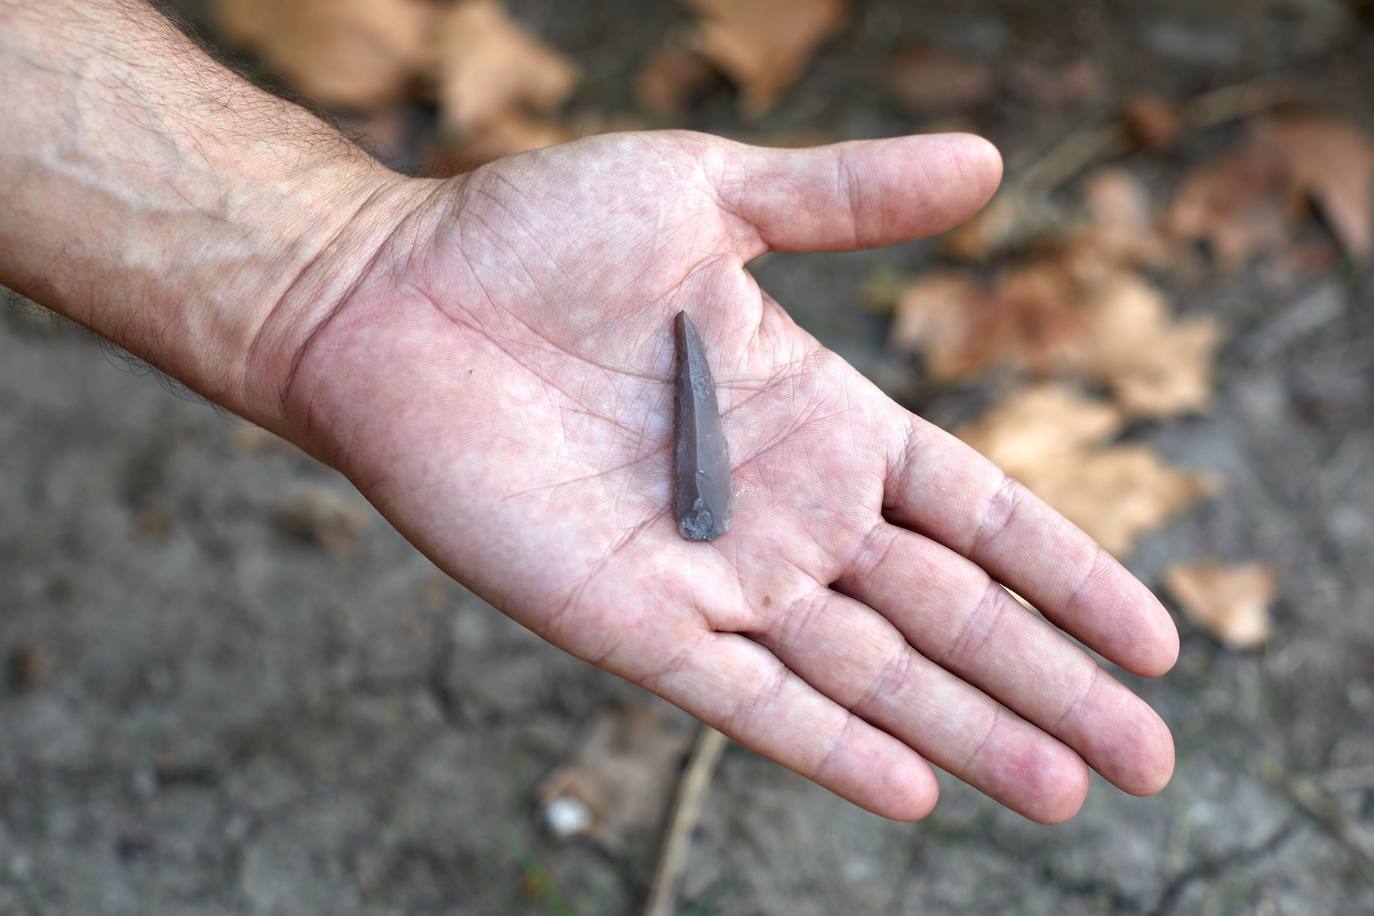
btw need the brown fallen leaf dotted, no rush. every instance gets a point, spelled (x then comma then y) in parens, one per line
(1230, 203)
(326, 517)
(249, 437)
(488, 65)
(1053, 440)
(935, 315)
(1120, 494)
(962, 327)
(1122, 228)
(618, 787)
(435, 590)
(1041, 426)
(671, 80)
(27, 664)
(764, 45)
(1230, 602)
(993, 229)
(354, 54)
(1332, 164)
(392, 134)
(1156, 366)
(152, 522)
(506, 134)
(1151, 120)
(1057, 84)
(1242, 204)
(246, 23)
(1039, 321)
(1054, 317)
(930, 80)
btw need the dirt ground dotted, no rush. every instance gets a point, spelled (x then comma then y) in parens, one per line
(206, 714)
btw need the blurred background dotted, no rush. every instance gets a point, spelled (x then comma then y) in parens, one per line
(229, 687)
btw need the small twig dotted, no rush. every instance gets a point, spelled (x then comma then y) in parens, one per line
(1023, 208)
(1349, 779)
(691, 794)
(1232, 102)
(1083, 147)
(1207, 868)
(1071, 155)
(1323, 810)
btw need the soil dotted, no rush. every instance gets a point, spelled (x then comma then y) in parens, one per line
(203, 713)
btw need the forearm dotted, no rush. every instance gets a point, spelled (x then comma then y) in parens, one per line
(160, 200)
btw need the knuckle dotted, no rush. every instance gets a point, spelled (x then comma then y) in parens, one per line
(997, 513)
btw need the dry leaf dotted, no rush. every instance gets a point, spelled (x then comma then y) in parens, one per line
(326, 517)
(489, 65)
(936, 315)
(1052, 440)
(247, 23)
(1122, 228)
(435, 590)
(1231, 602)
(27, 665)
(249, 437)
(618, 788)
(1333, 165)
(508, 133)
(1229, 203)
(152, 523)
(348, 53)
(962, 328)
(1152, 121)
(1237, 202)
(1039, 326)
(764, 45)
(1040, 427)
(1155, 366)
(1118, 202)
(1047, 318)
(929, 79)
(1120, 494)
(671, 80)
(392, 134)
(1017, 219)
(1063, 84)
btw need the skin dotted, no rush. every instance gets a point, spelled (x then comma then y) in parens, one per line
(489, 359)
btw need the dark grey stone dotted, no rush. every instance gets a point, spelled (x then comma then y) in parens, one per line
(701, 464)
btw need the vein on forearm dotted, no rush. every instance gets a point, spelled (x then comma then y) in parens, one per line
(151, 194)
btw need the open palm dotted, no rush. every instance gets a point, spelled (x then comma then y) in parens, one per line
(499, 385)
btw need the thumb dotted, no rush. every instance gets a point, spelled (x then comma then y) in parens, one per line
(860, 194)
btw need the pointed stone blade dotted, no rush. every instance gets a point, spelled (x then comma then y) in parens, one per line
(701, 464)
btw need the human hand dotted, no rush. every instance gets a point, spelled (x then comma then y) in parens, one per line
(498, 384)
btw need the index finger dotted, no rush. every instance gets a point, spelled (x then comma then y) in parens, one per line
(942, 488)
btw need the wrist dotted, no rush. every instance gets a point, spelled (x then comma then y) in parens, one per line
(347, 228)
(158, 199)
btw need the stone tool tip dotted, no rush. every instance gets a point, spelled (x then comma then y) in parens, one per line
(701, 464)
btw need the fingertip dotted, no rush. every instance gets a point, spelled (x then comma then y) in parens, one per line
(1156, 760)
(955, 175)
(1166, 651)
(1117, 615)
(906, 791)
(1063, 787)
(879, 773)
(1155, 650)
(859, 193)
(1035, 775)
(982, 162)
(916, 800)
